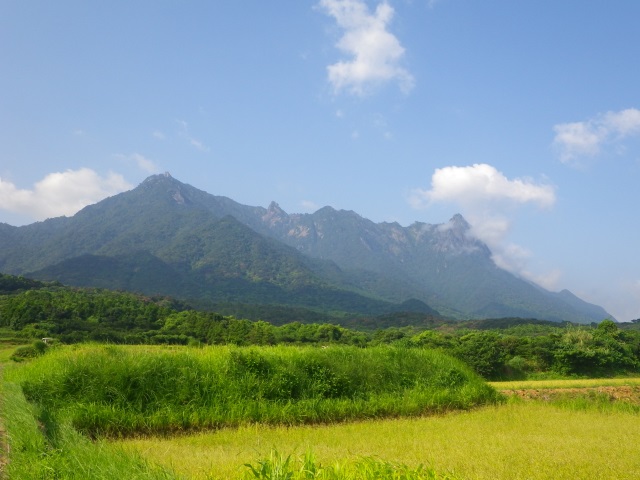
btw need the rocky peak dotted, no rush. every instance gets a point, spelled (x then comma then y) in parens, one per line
(459, 223)
(455, 237)
(274, 215)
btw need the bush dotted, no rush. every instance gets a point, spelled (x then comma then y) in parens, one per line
(34, 350)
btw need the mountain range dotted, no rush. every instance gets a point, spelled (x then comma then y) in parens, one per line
(166, 237)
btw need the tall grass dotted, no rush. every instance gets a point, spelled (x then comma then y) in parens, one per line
(41, 448)
(120, 391)
(278, 467)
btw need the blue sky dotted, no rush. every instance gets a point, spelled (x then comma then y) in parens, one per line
(523, 116)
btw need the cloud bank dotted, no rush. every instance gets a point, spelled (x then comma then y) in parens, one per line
(60, 193)
(488, 198)
(587, 138)
(375, 53)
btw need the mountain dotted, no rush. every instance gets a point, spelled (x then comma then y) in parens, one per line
(170, 238)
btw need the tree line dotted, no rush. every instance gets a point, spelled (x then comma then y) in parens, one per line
(519, 349)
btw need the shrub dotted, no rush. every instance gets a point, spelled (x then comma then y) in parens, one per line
(37, 348)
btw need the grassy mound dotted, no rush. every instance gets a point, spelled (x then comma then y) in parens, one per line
(41, 448)
(120, 391)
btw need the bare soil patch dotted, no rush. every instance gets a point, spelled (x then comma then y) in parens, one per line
(623, 393)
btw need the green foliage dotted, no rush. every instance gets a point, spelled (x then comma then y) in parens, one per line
(123, 391)
(42, 447)
(279, 467)
(595, 352)
(496, 349)
(37, 348)
(481, 351)
(11, 284)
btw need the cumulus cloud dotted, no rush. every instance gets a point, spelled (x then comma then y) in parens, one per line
(481, 184)
(375, 53)
(60, 193)
(580, 139)
(487, 198)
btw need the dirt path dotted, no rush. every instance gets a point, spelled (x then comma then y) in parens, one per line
(625, 393)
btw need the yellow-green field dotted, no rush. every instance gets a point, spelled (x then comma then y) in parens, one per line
(6, 350)
(572, 383)
(519, 440)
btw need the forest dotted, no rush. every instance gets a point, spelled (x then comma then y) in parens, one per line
(507, 348)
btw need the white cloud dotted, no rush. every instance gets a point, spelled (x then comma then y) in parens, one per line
(158, 135)
(481, 184)
(309, 206)
(145, 164)
(375, 53)
(580, 139)
(486, 198)
(142, 162)
(194, 142)
(60, 193)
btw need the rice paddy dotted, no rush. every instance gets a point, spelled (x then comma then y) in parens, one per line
(518, 440)
(303, 413)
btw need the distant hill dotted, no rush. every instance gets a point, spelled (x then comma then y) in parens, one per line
(165, 237)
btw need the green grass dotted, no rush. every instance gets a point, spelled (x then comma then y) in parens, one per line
(7, 349)
(279, 467)
(297, 400)
(513, 441)
(120, 391)
(41, 448)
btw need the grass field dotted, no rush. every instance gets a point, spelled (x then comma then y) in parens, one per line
(518, 440)
(591, 436)
(109, 391)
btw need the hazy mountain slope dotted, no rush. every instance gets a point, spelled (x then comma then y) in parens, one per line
(211, 247)
(442, 265)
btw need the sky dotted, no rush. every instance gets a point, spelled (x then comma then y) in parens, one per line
(522, 116)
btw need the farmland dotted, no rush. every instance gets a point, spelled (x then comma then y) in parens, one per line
(517, 440)
(57, 403)
(341, 412)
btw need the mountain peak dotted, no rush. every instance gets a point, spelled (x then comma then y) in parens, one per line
(274, 207)
(274, 214)
(443, 265)
(459, 223)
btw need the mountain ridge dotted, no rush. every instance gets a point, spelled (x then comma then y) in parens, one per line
(335, 253)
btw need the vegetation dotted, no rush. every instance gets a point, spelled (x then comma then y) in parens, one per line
(513, 441)
(61, 401)
(509, 348)
(118, 391)
(41, 448)
(277, 466)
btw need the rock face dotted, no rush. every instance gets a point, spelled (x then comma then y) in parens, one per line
(205, 239)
